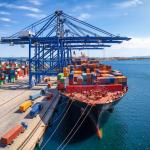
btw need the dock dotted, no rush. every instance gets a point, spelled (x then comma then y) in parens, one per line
(11, 97)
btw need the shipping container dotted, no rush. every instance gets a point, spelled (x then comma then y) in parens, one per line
(35, 96)
(81, 88)
(36, 108)
(49, 84)
(12, 134)
(24, 106)
(60, 86)
(60, 75)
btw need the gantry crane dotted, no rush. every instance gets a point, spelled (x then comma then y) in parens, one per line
(52, 39)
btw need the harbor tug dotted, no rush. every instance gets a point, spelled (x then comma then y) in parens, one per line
(92, 87)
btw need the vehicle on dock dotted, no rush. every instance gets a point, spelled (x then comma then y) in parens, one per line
(36, 108)
(25, 105)
(92, 87)
(12, 134)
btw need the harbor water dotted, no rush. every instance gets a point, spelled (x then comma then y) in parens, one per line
(127, 128)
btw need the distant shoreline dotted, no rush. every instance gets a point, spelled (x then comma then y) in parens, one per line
(101, 59)
(125, 58)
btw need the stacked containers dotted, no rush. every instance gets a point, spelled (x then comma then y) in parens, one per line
(88, 70)
(83, 68)
(12, 75)
(75, 77)
(121, 80)
(2, 78)
(93, 78)
(66, 72)
(66, 81)
(59, 76)
(106, 80)
(84, 78)
(89, 78)
(61, 79)
(71, 76)
(11, 72)
(26, 70)
(79, 80)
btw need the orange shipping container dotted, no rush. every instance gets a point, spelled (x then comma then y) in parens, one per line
(65, 69)
(120, 79)
(77, 72)
(9, 137)
(66, 74)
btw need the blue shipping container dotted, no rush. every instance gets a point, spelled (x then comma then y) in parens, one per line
(36, 108)
(33, 97)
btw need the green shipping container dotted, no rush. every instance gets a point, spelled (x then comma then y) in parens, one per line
(62, 79)
(12, 80)
(59, 76)
(1, 82)
(7, 67)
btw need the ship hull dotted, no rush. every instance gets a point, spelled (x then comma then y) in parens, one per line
(94, 113)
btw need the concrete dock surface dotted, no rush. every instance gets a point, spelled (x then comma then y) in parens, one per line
(11, 97)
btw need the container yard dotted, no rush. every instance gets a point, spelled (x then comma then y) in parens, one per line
(19, 109)
(32, 90)
(9, 72)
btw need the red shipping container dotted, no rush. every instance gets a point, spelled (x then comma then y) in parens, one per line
(110, 87)
(70, 82)
(75, 78)
(89, 81)
(49, 84)
(9, 137)
(60, 86)
(79, 81)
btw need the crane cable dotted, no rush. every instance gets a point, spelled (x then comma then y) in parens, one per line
(73, 127)
(57, 126)
(75, 130)
(60, 114)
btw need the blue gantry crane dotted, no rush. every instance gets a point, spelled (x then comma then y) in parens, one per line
(52, 39)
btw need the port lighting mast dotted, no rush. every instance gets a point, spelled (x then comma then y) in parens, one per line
(52, 39)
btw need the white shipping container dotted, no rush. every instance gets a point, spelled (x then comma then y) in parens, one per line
(66, 82)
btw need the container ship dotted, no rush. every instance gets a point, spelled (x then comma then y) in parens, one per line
(87, 82)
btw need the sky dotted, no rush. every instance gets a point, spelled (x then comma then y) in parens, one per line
(129, 18)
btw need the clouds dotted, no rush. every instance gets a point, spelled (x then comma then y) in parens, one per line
(4, 13)
(5, 19)
(19, 7)
(30, 11)
(83, 7)
(128, 4)
(84, 16)
(35, 2)
(36, 16)
(134, 44)
(83, 11)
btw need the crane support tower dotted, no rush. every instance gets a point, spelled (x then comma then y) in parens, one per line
(52, 39)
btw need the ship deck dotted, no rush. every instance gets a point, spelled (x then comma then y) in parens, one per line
(96, 98)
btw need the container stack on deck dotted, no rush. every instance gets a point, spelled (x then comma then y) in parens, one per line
(89, 73)
(9, 72)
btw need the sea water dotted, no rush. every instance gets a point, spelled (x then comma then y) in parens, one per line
(127, 128)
